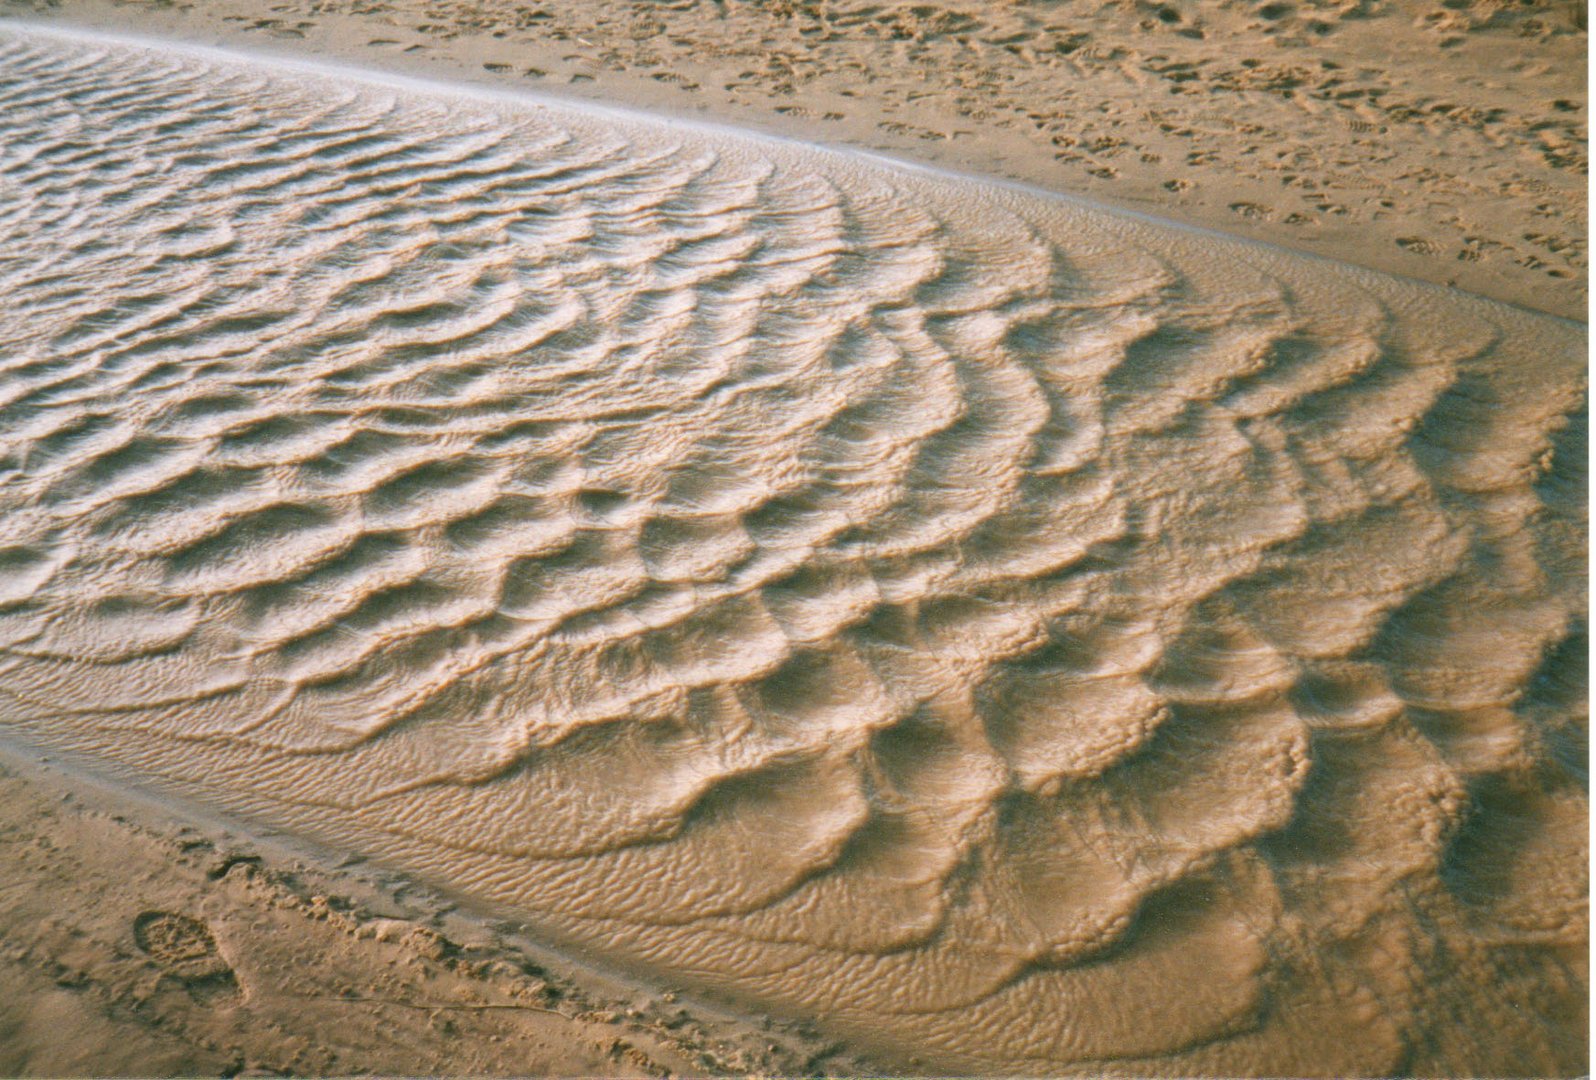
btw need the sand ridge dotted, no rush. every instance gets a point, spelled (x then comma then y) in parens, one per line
(1444, 141)
(1025, 637)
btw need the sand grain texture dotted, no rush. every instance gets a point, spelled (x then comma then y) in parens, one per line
(136, 945)
(1022, 637)
(1438, 139)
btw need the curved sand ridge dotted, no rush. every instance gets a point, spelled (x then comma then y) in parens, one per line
(1023, 637)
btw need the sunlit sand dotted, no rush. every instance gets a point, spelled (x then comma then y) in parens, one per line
(1020, 636)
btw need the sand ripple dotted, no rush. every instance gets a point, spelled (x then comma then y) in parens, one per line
(1021, 636)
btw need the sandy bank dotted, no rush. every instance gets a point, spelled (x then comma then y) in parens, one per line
(140, 938)
(1443, 141)
(1013, 636)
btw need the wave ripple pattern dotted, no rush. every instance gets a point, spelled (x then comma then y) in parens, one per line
(1014, 634)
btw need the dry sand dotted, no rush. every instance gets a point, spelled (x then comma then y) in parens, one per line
(1439, 140)
(1008, 635)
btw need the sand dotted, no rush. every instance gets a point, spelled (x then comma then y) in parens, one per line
(1007, 634)
(1437, 139)
(143, 942)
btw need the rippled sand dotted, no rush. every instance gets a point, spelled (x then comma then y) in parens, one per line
(1021, 637)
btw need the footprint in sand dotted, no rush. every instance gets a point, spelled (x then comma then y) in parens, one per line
(678, 80)
(184, 948)
(1418, 245)
(895, 128)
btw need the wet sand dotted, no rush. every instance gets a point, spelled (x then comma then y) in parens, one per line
(147, 939)
(1010, 635)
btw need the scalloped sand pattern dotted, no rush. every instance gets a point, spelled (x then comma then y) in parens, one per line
(1022, 637)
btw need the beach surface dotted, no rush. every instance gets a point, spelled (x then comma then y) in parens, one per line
(897, 619)
(1440, 140)
(147, 939)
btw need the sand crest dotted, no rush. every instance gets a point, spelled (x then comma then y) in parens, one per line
(1024, 637)
(1438, 139)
